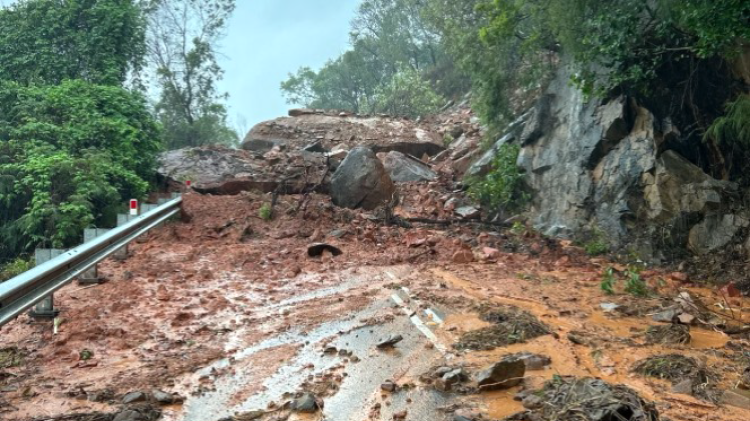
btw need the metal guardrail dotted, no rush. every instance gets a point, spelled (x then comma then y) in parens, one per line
(22, 292)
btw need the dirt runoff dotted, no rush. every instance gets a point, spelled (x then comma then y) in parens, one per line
(229, 310)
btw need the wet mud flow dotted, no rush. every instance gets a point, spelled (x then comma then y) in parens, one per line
(225, 318)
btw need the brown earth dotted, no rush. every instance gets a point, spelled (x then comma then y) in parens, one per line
(191, 294)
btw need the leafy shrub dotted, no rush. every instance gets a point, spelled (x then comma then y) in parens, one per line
(501, 189)
(14, 268)
(407, 94)
(734, 126)
(265, 212)
(608, 281)
(634, 284)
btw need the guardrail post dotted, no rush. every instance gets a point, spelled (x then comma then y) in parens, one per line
(45, 309)
(91, 276)
(122, 219)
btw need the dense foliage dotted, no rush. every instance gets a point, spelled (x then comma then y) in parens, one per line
(74, 141)
(48, 41)
(69, 154)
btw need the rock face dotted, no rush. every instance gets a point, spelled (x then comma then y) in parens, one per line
(304, 127)
(361, 181)
(597, 165)
(403, 168)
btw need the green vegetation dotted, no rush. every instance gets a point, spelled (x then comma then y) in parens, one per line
(634, 284)
(502, 189)
(78, 136)
(67, 153)
(594, 243)
(50, 41)
(608, 281)
(14, 268)
(265, 212)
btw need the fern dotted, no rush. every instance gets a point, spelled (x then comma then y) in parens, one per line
(734, 126)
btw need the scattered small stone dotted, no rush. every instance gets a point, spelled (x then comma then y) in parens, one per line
(388, 386)
(390, 342)
(735, 397)
(684, 387)
(576, 338)
(686, 319)
(249, 416)
(534, 361)
(133, 397)
(463, 257)
(306, 403)
(400, 415)
(165, 398)
(468, 212)
(506, 373)
(609, 307)
(667, 315)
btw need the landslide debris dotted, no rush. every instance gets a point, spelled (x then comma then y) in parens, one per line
(672, 334)
(686, 374)
(510, 325)
(585, 399)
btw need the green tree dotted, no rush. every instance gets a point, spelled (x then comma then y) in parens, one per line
(48, 41)
(182, 40)
(69, 153)
(407, 94)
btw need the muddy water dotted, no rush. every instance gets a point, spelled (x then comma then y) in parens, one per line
(617, 344)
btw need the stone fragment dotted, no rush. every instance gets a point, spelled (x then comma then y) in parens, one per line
(404, 169)
(463, 256)
(390, 342)
(506, 373)
(307, 403)
(133, 397)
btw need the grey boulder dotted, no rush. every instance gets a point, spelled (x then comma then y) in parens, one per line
(361, 181)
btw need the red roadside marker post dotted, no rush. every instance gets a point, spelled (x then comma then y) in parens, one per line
(133, 207)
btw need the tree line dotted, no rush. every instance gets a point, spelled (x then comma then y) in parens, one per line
(90, 92)
(408, 56)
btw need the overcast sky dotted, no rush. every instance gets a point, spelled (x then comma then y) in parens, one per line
(267, 39)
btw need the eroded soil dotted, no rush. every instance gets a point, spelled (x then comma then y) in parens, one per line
(229, 312)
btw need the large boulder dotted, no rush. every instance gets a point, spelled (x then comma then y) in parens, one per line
(404, 168)
(361, 181)
(331, 129)
(222, 170)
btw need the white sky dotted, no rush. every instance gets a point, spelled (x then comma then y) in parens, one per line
(267, 39)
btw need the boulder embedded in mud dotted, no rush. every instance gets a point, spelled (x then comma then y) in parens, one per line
(404, 169)
(715, 232)
(361, 181)
(506, 373)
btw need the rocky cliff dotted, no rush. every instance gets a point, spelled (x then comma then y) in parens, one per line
(603, 167)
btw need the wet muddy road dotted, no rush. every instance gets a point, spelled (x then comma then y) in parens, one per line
(231, 314)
